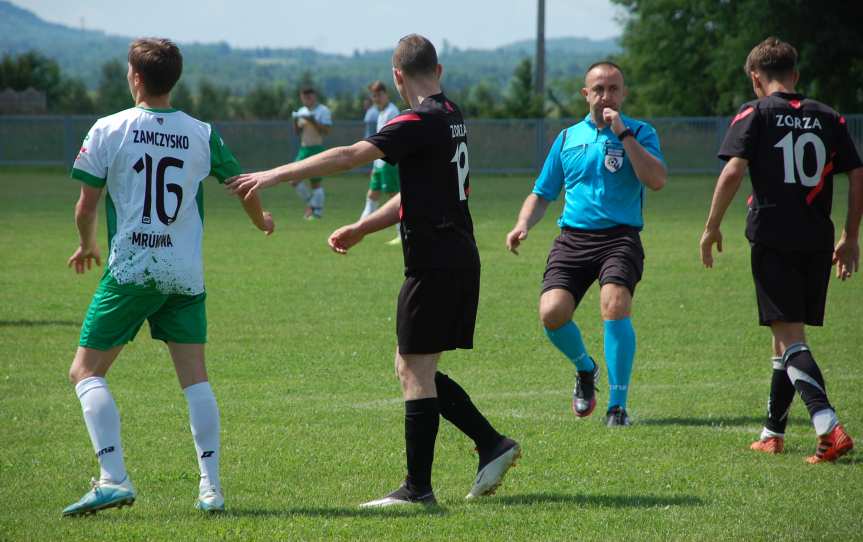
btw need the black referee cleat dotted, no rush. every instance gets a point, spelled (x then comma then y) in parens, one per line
(617, 417)
(584, 395)
(402, 496)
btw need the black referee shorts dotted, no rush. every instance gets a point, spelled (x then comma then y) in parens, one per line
(437, 310)
(578, 258)
(791, 286)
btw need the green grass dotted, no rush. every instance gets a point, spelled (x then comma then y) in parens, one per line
(300, 357)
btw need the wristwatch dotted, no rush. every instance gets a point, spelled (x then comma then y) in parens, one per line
(624, 134)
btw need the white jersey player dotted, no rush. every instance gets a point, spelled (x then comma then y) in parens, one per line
(150, 160)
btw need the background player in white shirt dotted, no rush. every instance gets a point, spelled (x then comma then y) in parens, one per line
(150, 160)
(312, 122)
(385, 177)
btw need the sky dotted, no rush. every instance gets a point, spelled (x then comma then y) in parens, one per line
(335, 26)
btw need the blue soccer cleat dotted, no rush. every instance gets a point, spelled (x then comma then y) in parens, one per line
(105, 494)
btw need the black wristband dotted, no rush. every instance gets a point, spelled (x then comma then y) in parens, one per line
(624, 134)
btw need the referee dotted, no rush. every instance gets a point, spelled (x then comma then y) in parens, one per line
(603, 164)
(437, 304)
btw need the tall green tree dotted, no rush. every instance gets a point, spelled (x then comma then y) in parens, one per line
(112, 94)
(686, 57)
(521, 100)
(32, 69)
(182, 99)
(213, 101)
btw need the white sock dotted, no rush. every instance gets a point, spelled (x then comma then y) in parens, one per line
(767, 433)
(399, 230)
(316, 202)
(824, 421)
(204, 421)
(371, 207)
(303, 191)
(103, 424)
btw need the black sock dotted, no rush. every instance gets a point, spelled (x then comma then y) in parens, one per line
(457, 408)
(781, 396)
(807, 379)
(421, 424)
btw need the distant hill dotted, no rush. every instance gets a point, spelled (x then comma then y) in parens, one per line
(81, 53)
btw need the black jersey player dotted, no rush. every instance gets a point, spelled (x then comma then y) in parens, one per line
(437, 304)
(792, 146)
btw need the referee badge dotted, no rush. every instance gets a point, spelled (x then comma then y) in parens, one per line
(613, 157)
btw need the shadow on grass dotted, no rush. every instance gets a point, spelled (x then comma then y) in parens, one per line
(336, 512)
(715, 421)
(38, 323)
(606, 501)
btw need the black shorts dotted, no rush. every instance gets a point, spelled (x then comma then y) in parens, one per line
(437, 310)
(791, 286)
(578, 258)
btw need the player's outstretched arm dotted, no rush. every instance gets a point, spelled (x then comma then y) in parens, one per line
(86, 215)
(846, 255)
(260, 218)
(532, 211)
(347, 236)
(726, 186)
(329, 162)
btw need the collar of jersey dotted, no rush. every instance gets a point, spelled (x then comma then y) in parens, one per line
(788, 95)
(170, 110)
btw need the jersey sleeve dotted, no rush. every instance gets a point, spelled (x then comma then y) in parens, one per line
(550, 181)
(648, 138)
(741, 137)
(223, 164)
(846, 157)
(91, 166)
(401, 136)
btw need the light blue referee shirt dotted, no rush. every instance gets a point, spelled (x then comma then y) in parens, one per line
(602, 190)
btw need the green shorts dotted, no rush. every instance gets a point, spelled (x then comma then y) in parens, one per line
(311, 150)
(385, 179)
(114, 318)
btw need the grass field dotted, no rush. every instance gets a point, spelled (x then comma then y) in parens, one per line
(300, 357)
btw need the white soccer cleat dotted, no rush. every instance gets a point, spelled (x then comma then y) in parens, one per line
(490, 474)
(210, 499)
(104, 494)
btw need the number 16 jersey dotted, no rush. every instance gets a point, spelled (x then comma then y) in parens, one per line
(794, 145)
(152, 163)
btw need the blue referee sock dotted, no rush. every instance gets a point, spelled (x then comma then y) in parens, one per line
(567, 339)
(619, 354)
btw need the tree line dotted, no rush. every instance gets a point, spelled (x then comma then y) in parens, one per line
(679, 58)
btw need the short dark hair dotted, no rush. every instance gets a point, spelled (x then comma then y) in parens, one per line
(159, 62)
(377, 86)
(415, 55)
(602, 63)
(773, 57)
(307, 90)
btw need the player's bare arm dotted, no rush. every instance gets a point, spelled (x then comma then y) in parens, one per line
(347, 236)
(329, 162)
(726, 187)
(322, 129)
(532, 211)
(263, 220)
(86, 213)
(649, 170)
(846, 254)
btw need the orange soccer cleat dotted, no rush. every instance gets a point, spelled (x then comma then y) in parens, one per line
(832, 446)
(769, 445)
